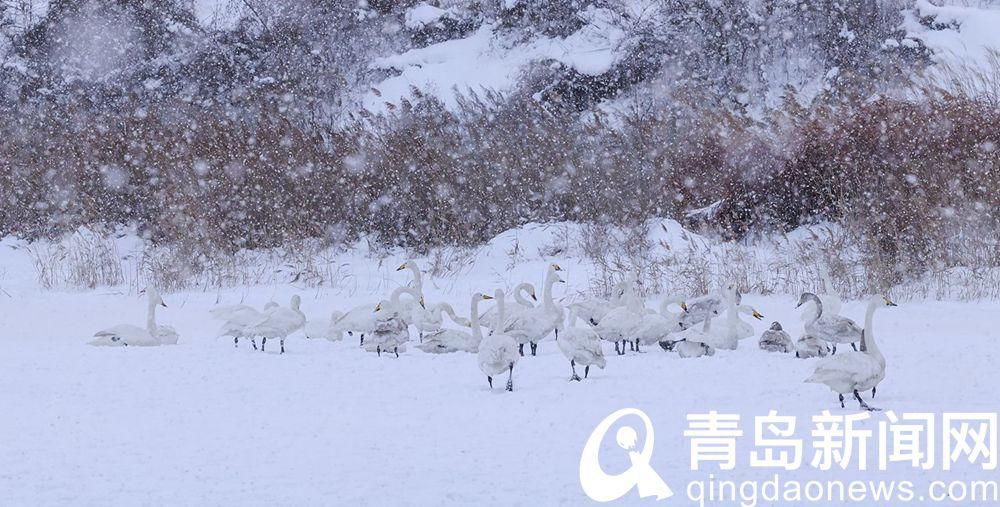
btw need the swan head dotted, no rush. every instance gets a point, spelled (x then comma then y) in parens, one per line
(483, 296)
(406, 265)
(154, 296)
(556, 267)
(882, 300)
(776, 326)
(805, 298)
(684, 306)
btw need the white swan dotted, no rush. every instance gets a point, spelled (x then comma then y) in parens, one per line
(325, 329)
(594, 309)
(237, 318)
(655, 327)
(733, 329)
(832, 328)
(700, 308)
(619, 324)
(828, 297)
(694, 341)
(357, 321)
(278, 322)
(855, 371)
(415, 311)
(497, 352)
(775, 339)
(521, 294)
(810, 346)
(531, 325)
(390, 330)
(581, 345)
(128, 334)
(446, 340)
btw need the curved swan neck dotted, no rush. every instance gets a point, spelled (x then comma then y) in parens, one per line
(418, 281)
(520, 291)
(867, 335)
(394, 298)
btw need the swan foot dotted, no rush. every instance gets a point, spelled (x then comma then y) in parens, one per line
(534, 348)
(510, 378)
(865, 405)
(797, 354)
(253, 341)
(520, 349)
(572, 364)
(236, 342)
(586, 371)
(853, 346)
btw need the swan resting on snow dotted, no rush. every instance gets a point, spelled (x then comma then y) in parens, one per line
(776, 339)
(855, 371)
(581, 345)
(152, 335)
(498, 352)
(444, 340)
(809, 346)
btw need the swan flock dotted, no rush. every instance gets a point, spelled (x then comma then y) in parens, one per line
(688, 327)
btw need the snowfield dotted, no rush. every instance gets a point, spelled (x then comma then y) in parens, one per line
(205, 423)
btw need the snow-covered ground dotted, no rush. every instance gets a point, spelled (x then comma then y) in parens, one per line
(205, 423)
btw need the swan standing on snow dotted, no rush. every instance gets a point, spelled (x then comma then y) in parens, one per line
(418, 314)
(391, 330)
(594, 309)
(237, 318)
(655, 327)
(521, 294)
(531, 325)
(733, 330)
(278, 322)
(619, 325)
(831, 328)
(445, 341)
(855, 371)
(581, 345)
(128, 334)
(776, 339)
(498, 352)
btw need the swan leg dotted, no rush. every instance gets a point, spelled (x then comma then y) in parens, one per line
(378, 350)
(572, 364)
(637, 345)
(236, 341)
(853, 346)
(253, 341)
(834, 350)
(586, 371)
(863, 404)
(490, 380)
(362, 344)
(395, 350)
(631, 346)
(534, 348)
(841, 396)
(873, 393)
(282, 345)
(520, 349)
(622, 353)
(263, 340)
(510, 378)
(797, 354)
(616, 348)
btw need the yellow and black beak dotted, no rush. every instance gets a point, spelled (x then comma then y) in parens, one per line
(556, 267)
(378, 307)
(401, 267)
(163, 304)
(533, 297)
(684, 306)
(487, 296)
(757, 315)
(888, 302)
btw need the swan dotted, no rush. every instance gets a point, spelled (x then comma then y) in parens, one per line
(497, 352)
(728, 336)
(418, 314)
(694, 342)
(855, 371)
(657, 327)
(775, 339)
(594, 309)
(809, 346)
(828, 297)
(531, 325)
(832, 328)
(325, 329)
(278, 322)
(390, 329)
(486, 319)
(581, 345)
(358, 320)
(127, 334)
(237, 318)
(619, 324)
(445, 341)
(700, 308)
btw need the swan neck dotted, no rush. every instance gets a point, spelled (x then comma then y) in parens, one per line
(550, 303)
(868, 335)
(151, 317)
(474, 319)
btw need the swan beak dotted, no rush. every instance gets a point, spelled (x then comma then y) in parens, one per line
(888, 302)
(533, 298)
(757, 315)
(422, 305)
(684, 306)
(401, 267)
(556, 267)
(163, 304)
(486, 296)
(378, 307)
(560, 280)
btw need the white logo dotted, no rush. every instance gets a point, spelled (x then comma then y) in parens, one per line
(602, 487)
